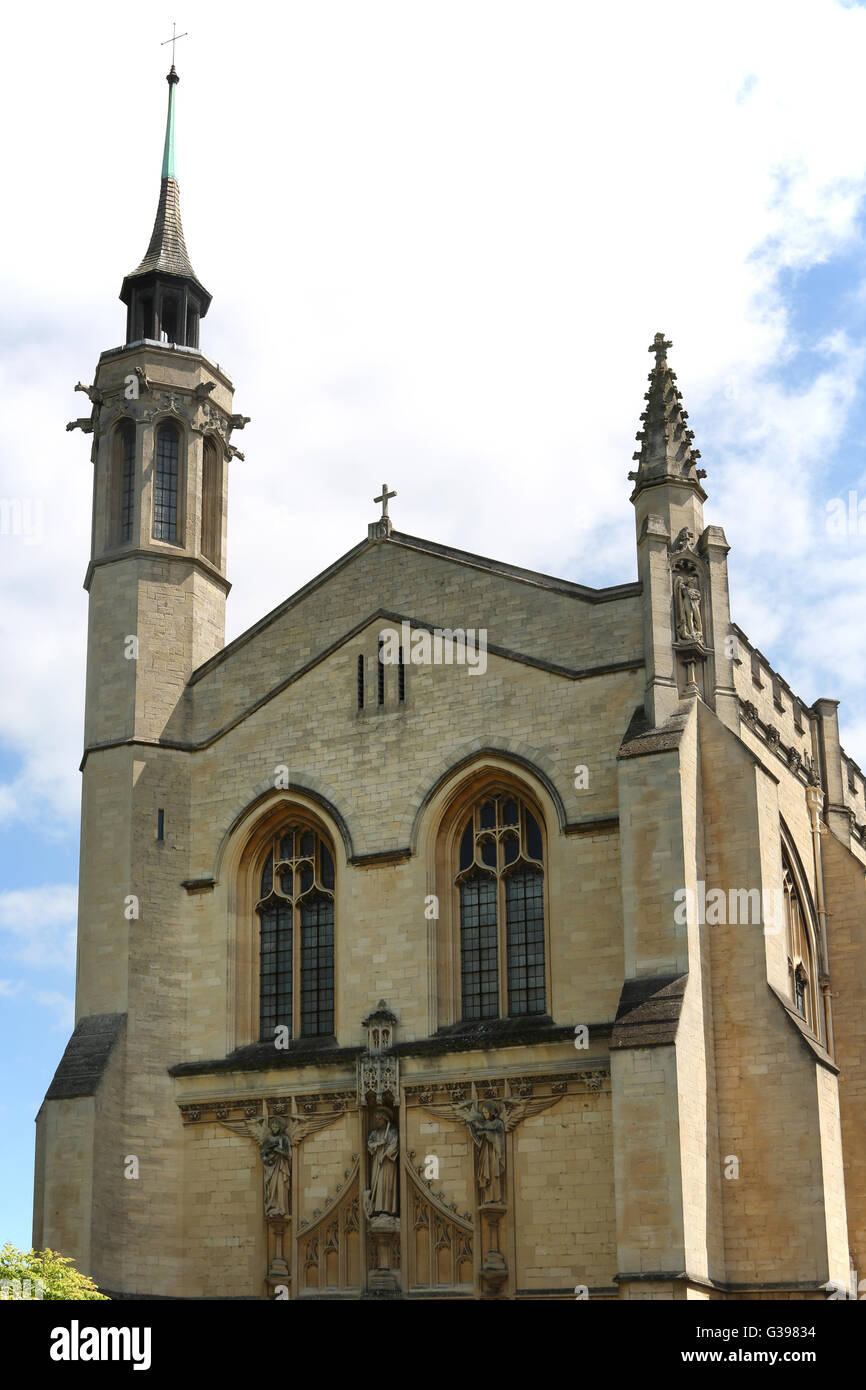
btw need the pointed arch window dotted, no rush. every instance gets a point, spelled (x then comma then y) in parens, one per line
(296, 934)
(500, 884)
(211, 502)
(165, 491)
(123, 480)
(801, 950)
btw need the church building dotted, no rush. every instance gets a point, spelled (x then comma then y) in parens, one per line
(457, 931)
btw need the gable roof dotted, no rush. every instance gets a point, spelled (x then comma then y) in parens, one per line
(535, 578)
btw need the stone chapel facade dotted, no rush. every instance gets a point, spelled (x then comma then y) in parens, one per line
(457, 931)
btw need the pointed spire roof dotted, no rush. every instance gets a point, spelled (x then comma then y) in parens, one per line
(666, 453)
(167, 253)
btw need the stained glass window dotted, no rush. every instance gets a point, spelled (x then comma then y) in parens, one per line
(296, 917)
(500, 882)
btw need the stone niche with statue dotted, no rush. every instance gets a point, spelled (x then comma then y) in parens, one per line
(394, 1190)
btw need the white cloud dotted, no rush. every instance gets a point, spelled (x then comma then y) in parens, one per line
(39, 925)
(61, 1005)
(439, 238)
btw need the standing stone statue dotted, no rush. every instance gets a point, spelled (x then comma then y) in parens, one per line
(487, 1128)
(275, 1150)
(687, 608)
(488, 1122)
(383, 1146)
(276, 1136)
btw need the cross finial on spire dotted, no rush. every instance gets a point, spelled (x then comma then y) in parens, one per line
(659, 346)
(384, 500)
(173, 40)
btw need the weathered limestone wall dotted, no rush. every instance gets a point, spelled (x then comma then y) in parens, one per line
(845, 884)
(774, 1209)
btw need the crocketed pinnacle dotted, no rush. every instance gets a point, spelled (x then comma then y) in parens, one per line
(666, 453)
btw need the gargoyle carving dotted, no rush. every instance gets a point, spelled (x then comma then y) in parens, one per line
(685, 540)
(93, 393)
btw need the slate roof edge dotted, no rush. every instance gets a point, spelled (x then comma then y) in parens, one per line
(490, 1039)
(642, 738)
(648, 1012)
(266, 1057)
(569, 587)
(85, 1056)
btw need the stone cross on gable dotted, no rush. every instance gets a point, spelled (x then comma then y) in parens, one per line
(384, 499)
(383, 527)
(659, 346)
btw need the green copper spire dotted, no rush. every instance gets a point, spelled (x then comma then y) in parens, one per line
(168, 169)
(151, 291)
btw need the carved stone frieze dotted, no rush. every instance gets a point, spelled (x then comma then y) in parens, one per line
(329, 1247)
(377, 1076)
(321, 1103)
(378, 1071)
(557, 1083)
(439, 1238)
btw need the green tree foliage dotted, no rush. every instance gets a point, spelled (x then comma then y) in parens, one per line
(43, 1274)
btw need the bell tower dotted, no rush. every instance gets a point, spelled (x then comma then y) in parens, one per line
(162, 423)
(161, 426)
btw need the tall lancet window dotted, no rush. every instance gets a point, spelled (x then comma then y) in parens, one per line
(123, 481)
(296, 917)
(802, 976)
(500, 882)
(211, 503)
(165, 488)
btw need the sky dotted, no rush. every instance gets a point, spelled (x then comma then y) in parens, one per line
(439, 239)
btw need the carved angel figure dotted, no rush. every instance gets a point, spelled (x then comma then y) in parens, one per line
(276, 1136)
(275, 1151)
(687, 608)
(488, 1122)
(487, 1128)
(383, 1146)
